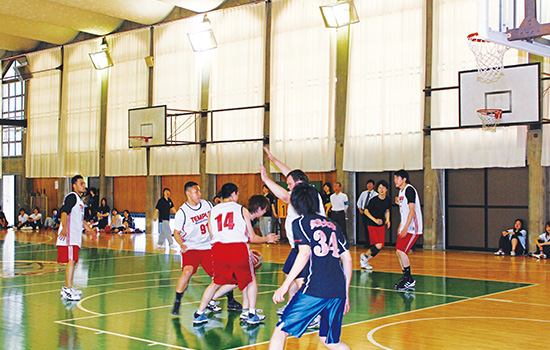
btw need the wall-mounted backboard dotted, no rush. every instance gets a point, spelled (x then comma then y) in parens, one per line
(147, 122)
(517, 93)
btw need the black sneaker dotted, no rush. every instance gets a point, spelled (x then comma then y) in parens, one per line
(400, 281)
(406, 284)
(176, 308)
(234, 305)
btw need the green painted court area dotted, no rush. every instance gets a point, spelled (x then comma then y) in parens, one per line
(127, 297)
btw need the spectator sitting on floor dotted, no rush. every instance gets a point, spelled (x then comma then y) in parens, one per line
(3, 222)
(513, 240)
(116, 221)
(35, 219)
(52, 222)
(22, 219)
(128, 222)
(543, 244)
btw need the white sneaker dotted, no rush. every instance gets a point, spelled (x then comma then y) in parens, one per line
(213, 306)
(281, 310)
(512, 253)
(499, 252)
(365, 262)
(315, 323)
(244, 315)
(76, 291)
(68, 294)
(539, 256)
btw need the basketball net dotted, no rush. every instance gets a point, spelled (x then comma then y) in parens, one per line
(138, 141)
(490, 118)
(489, 58)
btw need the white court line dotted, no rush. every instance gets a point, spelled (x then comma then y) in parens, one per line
(99, 331)
(136, 310)
(370, 335)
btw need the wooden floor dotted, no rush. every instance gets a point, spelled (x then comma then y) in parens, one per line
(463, 300)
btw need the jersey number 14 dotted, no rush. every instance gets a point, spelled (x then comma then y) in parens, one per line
(228, 222)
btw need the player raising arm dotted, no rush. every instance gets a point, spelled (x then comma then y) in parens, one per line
(320, 242)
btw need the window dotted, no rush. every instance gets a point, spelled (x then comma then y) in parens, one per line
(13, 107)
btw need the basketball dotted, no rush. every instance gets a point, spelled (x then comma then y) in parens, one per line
(256, 259)
(107, 229)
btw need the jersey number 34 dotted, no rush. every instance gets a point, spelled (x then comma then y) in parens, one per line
(323, 248)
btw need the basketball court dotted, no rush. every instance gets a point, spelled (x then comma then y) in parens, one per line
(462, 300)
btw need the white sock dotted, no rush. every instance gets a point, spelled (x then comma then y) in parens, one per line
(252, 311)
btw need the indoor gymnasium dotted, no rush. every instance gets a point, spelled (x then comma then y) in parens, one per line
(422, 125)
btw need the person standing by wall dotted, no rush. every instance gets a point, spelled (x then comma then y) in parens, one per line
(339, 204)
(164, 208)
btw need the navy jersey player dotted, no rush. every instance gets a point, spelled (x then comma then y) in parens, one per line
(322, 244)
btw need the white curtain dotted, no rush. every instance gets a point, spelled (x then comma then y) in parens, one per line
(176, 82)
(545, 145)
(302, 86)
(237, 80)
(80, 114)
(453, 21)
(127, 89)
(474, 148)
(42, 153)
(384, 110)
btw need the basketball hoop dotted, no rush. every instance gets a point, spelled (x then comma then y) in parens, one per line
(490, 118)
(489, 58)
(138, 141)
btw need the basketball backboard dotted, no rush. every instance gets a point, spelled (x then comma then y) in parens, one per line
(520, 24)
(516, 93)
(148, 122)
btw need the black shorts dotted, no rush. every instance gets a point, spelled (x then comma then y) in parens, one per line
(290, 262)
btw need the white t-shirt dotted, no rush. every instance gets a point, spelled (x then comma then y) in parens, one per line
(292, 215)
(544, 238)
(23, 218)
(416, 223)
(522, 236)
(228, 223)
(339, 201)
(192, 224)
(36, 216)
(75, 223)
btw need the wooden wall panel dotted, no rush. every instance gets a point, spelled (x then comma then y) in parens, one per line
(249, 185)
(176, 184)
(47, 184)
(129, 193)
(329, 176)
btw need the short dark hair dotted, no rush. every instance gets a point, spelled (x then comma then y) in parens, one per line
(305, 199)
(22, 210)
(383, 183)
(228, 189)
(165, 189)
(402, 174)
(188, 186)
(126, 211)
(257, 202)
(37, 208)
(370, 181)
(54, 209)
(338, 183)
(75, 178)
(114, 209)
(298, 176)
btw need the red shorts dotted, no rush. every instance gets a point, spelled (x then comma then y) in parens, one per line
(405, 244)
(198, 257)
(67, 253)
(231, 263)
(377, 235)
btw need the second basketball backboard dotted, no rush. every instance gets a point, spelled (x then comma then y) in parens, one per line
(502, 21)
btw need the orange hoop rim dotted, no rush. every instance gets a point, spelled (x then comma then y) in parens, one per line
(145, 138)
(497, 113)
(472, 36)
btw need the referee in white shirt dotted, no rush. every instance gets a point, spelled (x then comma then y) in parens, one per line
(362, 203)
(339, 205)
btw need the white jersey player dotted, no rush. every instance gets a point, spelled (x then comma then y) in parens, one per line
(69, 239)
